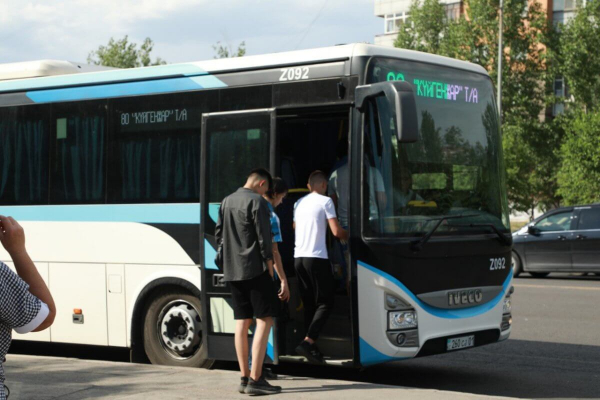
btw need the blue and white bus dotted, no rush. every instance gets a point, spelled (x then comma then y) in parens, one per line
(117, 177)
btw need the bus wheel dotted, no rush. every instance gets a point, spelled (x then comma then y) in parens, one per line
(516, 264)
(173, 330)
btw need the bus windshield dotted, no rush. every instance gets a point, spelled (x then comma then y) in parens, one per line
(455, 168)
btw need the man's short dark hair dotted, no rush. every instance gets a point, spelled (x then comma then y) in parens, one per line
(316, 178)
(262, 174)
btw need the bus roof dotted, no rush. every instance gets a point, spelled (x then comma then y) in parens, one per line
(42, 68)
(202, 71)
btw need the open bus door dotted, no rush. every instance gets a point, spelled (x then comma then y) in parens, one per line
(233, 143)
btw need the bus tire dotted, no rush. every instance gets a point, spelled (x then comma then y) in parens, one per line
(172, 330)
(516, 264)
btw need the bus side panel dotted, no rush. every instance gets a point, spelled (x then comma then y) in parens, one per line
(115, 305)
(79, 286)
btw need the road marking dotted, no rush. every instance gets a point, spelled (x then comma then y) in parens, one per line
(558, 287)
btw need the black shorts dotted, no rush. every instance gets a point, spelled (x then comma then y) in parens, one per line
(256, 297)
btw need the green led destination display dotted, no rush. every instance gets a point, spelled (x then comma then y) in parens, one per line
(439, 90)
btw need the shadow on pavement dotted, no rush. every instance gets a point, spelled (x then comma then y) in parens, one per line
(590, 277)
(515, 368)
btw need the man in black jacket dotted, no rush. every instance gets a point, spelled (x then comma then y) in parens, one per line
(244, 232)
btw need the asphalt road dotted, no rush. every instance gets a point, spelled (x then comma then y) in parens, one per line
(553, 352)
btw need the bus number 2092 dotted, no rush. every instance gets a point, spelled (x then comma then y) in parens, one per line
(294, 74)
(497, 263)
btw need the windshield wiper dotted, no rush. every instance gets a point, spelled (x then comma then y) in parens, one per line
(417, 245)
(507, 241)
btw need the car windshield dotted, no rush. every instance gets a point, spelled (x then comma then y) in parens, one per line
(455, 168)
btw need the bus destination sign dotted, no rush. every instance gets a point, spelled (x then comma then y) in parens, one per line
(439, 90)
(149, 120)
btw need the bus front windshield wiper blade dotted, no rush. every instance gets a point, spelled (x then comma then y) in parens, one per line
(507, 241)
(417, 245)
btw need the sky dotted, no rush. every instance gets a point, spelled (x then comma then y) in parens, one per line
(182, 30)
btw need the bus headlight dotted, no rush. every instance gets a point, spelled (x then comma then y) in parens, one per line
(507, 308)
(402, 319)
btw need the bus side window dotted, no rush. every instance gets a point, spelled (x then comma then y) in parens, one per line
(79, 153)
(24, 155)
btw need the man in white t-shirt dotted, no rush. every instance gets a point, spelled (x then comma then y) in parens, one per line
(312, 214)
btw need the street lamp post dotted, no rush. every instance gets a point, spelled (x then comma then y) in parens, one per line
(500, 56)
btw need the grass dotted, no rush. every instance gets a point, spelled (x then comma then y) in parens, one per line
(516, 225)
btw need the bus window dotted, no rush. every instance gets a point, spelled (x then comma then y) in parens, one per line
(24, 155)
(155, 150)
(78, 156)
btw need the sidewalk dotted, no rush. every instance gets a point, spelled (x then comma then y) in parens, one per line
(39, 378)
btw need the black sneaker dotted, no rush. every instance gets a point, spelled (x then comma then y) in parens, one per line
(310, 352)
(243, 384)
(269, 375)
(261, 387)
(316, 352)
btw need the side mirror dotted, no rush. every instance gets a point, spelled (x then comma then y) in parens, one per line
(401, 99)
(532, 230)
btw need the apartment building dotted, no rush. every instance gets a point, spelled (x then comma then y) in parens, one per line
(395, 13)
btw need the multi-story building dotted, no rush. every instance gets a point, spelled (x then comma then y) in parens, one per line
(396, 12)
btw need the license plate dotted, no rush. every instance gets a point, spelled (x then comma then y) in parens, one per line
(460, 343)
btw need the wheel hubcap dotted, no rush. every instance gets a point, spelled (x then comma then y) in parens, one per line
(180, 329)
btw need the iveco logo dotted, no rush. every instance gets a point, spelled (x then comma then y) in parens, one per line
(465, 297)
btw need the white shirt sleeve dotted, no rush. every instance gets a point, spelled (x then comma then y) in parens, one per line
(36, 321)
(329, 209)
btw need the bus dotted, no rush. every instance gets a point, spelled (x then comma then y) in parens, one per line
(117, 177)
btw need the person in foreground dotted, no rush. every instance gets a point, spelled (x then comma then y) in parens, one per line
(312, 214)
(243, 234)
(26, 304)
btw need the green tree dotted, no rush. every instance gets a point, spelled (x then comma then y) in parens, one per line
(578, 56)
(579, 175)
(426, 29)
(123, 54)
(223, 51)
(577, 60)
(526, 81)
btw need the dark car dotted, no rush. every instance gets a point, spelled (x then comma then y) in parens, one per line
(566, 239)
